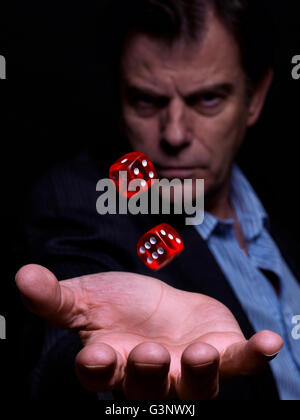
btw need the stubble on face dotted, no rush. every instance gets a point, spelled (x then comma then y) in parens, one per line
(185, 105)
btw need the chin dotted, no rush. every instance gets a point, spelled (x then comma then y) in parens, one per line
(202, 173)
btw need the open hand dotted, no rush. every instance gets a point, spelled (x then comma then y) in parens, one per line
(144, 337)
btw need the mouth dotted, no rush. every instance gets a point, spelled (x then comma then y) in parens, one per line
(176, 172)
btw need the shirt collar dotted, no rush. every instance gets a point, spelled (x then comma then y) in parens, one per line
(249, 210)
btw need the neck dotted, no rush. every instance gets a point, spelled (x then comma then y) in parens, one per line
(219, 205)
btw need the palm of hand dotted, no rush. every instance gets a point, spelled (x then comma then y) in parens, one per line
(124, 310)
(145, 337)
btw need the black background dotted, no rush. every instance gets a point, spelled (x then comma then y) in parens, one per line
(55, 100)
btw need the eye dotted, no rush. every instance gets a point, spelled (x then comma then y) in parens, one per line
(146, 104)
(211, 99)
(206, 102)
(146, 101)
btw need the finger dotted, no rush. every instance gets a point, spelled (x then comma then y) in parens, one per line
(146, 376)
(43, 295)
(99, 368)
(199, 373)
(250, 357)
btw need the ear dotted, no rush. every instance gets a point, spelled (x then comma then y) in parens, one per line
(259, 97)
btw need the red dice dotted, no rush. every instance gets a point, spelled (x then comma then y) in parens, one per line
(159, 246)
(137, 166)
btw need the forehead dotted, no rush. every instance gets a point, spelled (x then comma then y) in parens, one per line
(182, 66)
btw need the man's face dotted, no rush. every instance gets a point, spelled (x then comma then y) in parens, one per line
(185, 106)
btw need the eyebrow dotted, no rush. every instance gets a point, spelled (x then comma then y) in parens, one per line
(224, 88)
(137, 90)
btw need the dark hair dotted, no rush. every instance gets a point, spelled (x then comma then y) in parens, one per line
(247, 20)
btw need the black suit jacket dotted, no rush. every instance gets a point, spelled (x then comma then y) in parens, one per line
(64, 232)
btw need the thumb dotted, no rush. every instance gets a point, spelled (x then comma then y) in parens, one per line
(43, 295)
(252, 356)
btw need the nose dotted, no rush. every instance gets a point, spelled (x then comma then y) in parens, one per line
(174, 128)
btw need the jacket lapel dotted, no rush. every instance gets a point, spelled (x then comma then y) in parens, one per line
(202, 274)
(197, 271)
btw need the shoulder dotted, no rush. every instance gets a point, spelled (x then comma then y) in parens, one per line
(67, 183)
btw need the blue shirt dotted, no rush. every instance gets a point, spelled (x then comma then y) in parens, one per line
(265, 310)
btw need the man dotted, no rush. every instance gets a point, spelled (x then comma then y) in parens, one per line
(188, 95)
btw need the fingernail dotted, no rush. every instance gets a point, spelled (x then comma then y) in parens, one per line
(203, 365)
(272, 355)
(95, 366)
(148, 368)
(154, 366)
